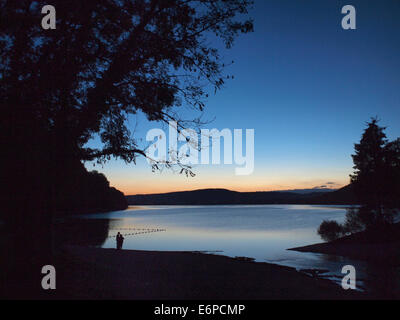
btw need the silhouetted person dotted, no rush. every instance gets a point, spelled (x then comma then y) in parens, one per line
(120, 241)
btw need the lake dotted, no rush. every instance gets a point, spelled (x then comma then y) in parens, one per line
(262, 232)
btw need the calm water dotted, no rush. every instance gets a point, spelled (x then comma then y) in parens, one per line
(261, 232)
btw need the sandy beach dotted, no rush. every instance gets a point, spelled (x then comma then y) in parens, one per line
(95, 273)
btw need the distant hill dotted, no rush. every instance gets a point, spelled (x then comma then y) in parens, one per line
(344, 195)
(305, 191)
(223, 196)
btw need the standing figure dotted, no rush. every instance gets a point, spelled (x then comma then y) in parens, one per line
(119, 241)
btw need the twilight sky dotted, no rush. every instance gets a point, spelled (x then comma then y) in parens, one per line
(306, 87)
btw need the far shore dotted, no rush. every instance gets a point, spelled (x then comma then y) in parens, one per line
(96, 273)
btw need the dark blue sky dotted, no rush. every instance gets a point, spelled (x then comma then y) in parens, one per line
(307, 87)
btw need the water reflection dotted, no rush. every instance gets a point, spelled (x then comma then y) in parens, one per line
(261, 232)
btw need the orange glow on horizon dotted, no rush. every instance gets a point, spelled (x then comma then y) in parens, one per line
(148, 189)
(133, 192)
(140, 180)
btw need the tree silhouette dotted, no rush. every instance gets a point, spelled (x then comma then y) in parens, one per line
(108, 59)
(376, 177)
(105, 60)
(375, 182)
(369, 163)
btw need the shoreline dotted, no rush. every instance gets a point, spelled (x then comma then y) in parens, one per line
(371, 252)
(96, 273)
(373, 246)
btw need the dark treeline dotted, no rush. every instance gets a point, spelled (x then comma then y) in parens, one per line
(343, 196)
(81, 191)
